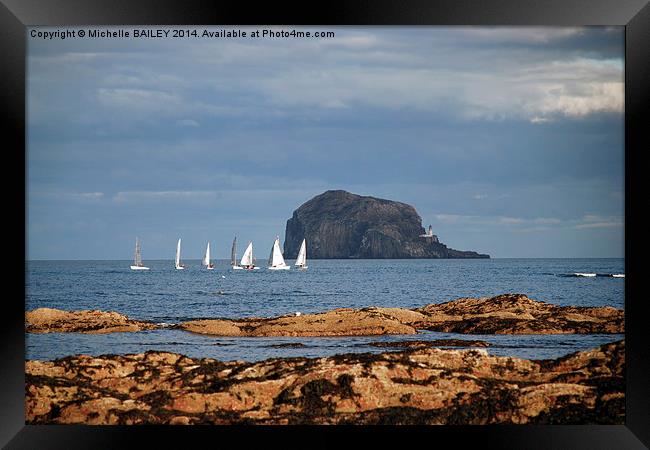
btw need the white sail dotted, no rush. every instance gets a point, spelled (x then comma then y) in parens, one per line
(247, 257)
(301, 260)
(178, 256)
(137, 258)
(206, 258)
(276, 260)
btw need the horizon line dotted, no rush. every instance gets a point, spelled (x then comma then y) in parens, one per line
(356, 259)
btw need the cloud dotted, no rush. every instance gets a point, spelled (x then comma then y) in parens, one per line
(490, 196)
(73, 196)
(538, 224)
(510, 220)
(469, 73)
(547, 220)
(148, 99)
(353, 41)
(530, 35)
(599, 225)
(188, 123)
(596, 221)
(596, 98)
(158, 196)
(535, 93)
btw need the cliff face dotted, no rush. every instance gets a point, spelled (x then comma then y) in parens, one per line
(338, 224)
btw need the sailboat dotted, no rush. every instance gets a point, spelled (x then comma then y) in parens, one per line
(137, 260)
(276, 260)
(233, 255)
(301, 260)
(247, 261)
(177, 262)
(206, 258)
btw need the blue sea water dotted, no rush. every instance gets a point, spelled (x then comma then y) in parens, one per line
(166, 295)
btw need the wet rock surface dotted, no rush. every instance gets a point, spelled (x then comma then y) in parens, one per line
(433, 343)
(517, 314)
(338, 322)
(503, 314)
(48, 320)
(417, 386)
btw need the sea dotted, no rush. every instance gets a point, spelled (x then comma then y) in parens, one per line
(168, 296)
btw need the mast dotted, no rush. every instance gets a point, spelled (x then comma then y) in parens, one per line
(233, 252)
(178, 253)
(137, 258)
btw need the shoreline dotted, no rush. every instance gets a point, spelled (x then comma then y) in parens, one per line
(415, 386)
(502, 314)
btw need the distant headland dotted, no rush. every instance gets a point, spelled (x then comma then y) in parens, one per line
(339, 225)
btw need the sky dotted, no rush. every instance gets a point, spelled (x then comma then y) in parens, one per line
(507, 140)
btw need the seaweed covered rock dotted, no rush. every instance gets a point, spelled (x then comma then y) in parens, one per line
(518, 314)
(502, 314)
(418, 386)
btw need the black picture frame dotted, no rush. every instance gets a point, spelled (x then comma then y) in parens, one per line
(16, 15)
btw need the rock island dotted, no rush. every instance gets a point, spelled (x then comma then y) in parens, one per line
(341, 225)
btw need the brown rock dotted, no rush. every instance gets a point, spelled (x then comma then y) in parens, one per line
(47, 320)
(338, 322)
(418, 386)
(179, 420)
(503, 314)
(518, 314)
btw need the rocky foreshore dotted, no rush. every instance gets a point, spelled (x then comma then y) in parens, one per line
(417, 386)
(503, 314)
(48, 320)
(518, 314)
